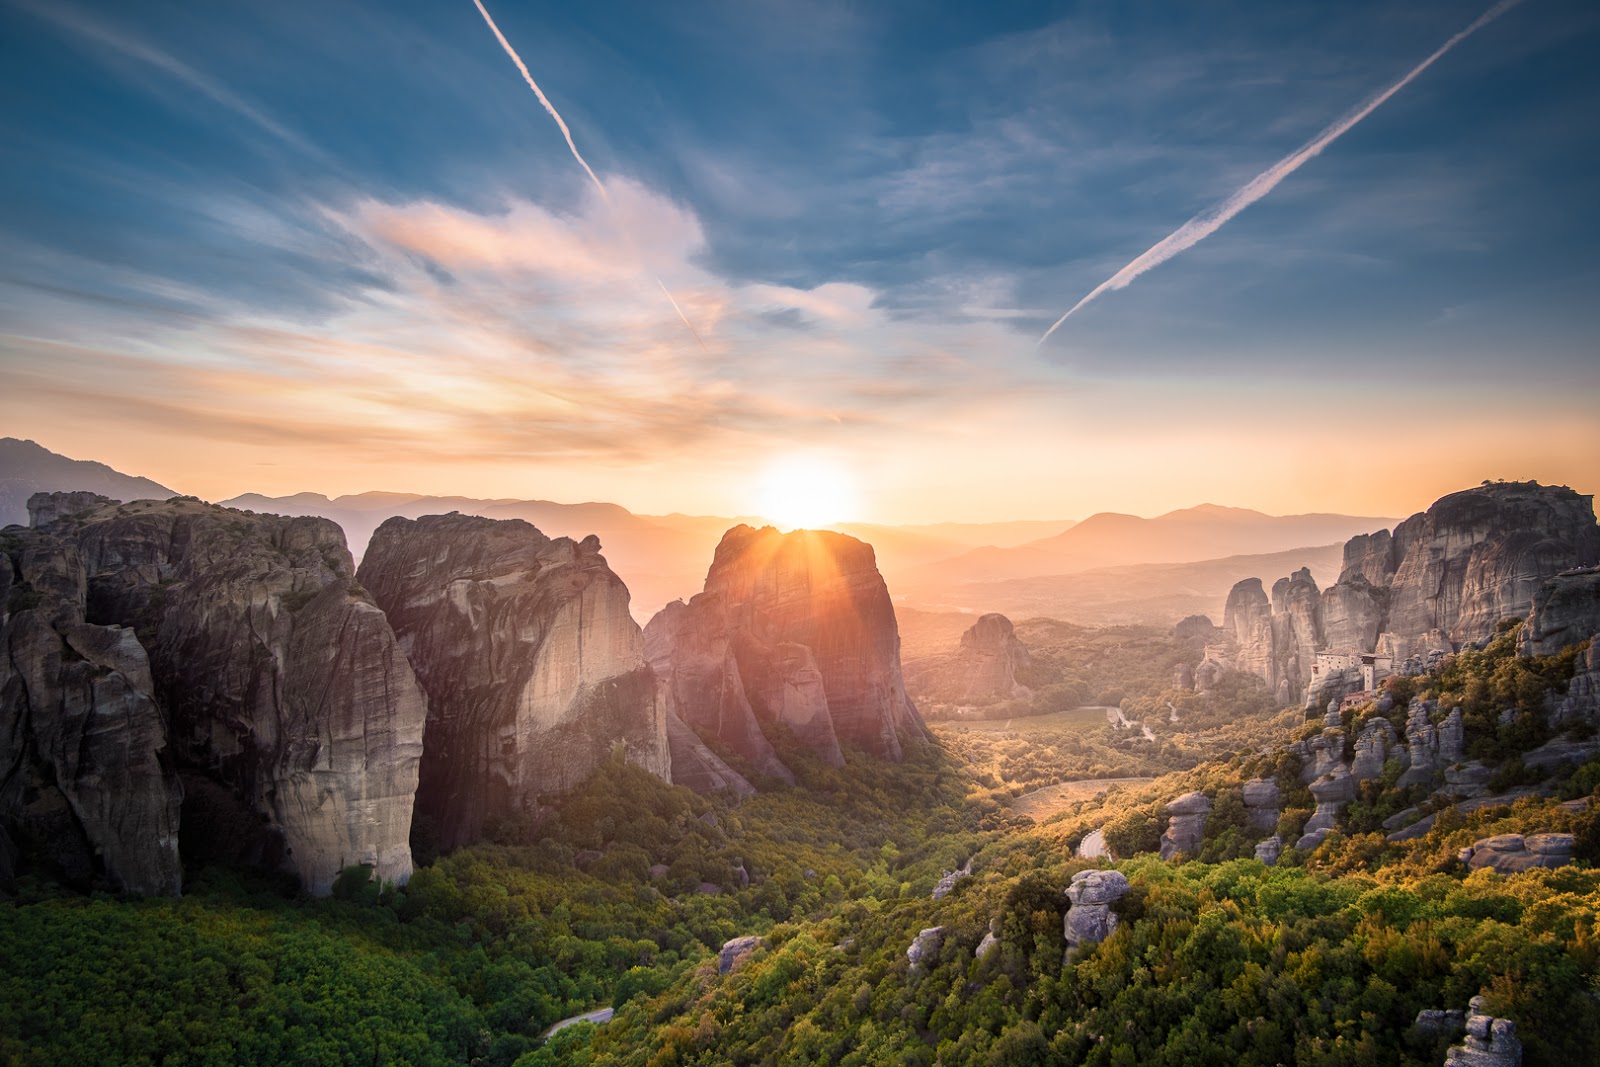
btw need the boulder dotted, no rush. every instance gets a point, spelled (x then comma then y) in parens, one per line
(1269, 850)
(736, 951)
(1186, 825)
(1090, 919)
(1514, 853)
(989, 943)
(948, 880)
(1435, 1022)
(925, 946)
(1490, 1042)
(1195, 628)
(1264, 801)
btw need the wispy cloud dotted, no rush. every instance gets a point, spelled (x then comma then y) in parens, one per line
(74, 21)
(1209, 222)
(584, 163)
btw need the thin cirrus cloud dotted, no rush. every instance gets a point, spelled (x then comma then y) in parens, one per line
(1209, 222)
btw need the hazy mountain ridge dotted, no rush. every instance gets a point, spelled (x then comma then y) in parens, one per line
(27, 467)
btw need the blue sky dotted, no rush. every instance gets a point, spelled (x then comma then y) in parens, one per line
(340, 246)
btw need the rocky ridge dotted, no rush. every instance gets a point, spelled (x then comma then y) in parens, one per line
(1441, 581)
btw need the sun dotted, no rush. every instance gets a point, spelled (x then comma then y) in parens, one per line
(806, 492)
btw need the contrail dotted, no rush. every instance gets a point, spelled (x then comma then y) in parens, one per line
(1209, 222)
(584, 163)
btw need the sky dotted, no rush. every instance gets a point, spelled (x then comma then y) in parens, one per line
(341, 246)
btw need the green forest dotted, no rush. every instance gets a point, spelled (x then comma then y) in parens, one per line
(624, 892)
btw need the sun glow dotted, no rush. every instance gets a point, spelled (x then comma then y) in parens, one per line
(805, 492)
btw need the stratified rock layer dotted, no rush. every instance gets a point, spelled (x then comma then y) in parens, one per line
(533, 667)
(793, 631)
(285, 694)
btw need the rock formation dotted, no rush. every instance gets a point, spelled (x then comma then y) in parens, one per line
(288, 706)
(925, 945)
(1376, 743)
(1195, 628)
(83, 767)
(1582, 700)
(1513, 853)
(1333, 792)
(1490, 1042)
(1263, 800)
(1186, 825)
(736, 951)
(1090, 919)
(1247, 622)
(1431, 749)
(1269, 850)
(1444, 579)
(794, 632)
(1566, 610)
(696, 766)
(533, 667)
(982, 671)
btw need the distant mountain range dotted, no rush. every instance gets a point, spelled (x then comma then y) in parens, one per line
(1109, 539)
(27, 468)
(1108, 567)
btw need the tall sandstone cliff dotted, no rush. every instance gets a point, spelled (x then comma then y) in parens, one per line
(1444, 578)
(795, 631)
(982, 670)
(533, 667)
(287, 708)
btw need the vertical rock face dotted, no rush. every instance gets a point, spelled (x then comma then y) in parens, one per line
(1296, 631)
(1247, 620)
(1477, 556)
(1566, 609)
(691, 652)
(83, 767)
(780, 614)
(1445, 578)
(282, 685)
(1582, 700)
(534, 669)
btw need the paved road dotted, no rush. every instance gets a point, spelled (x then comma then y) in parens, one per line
(603, 1015)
